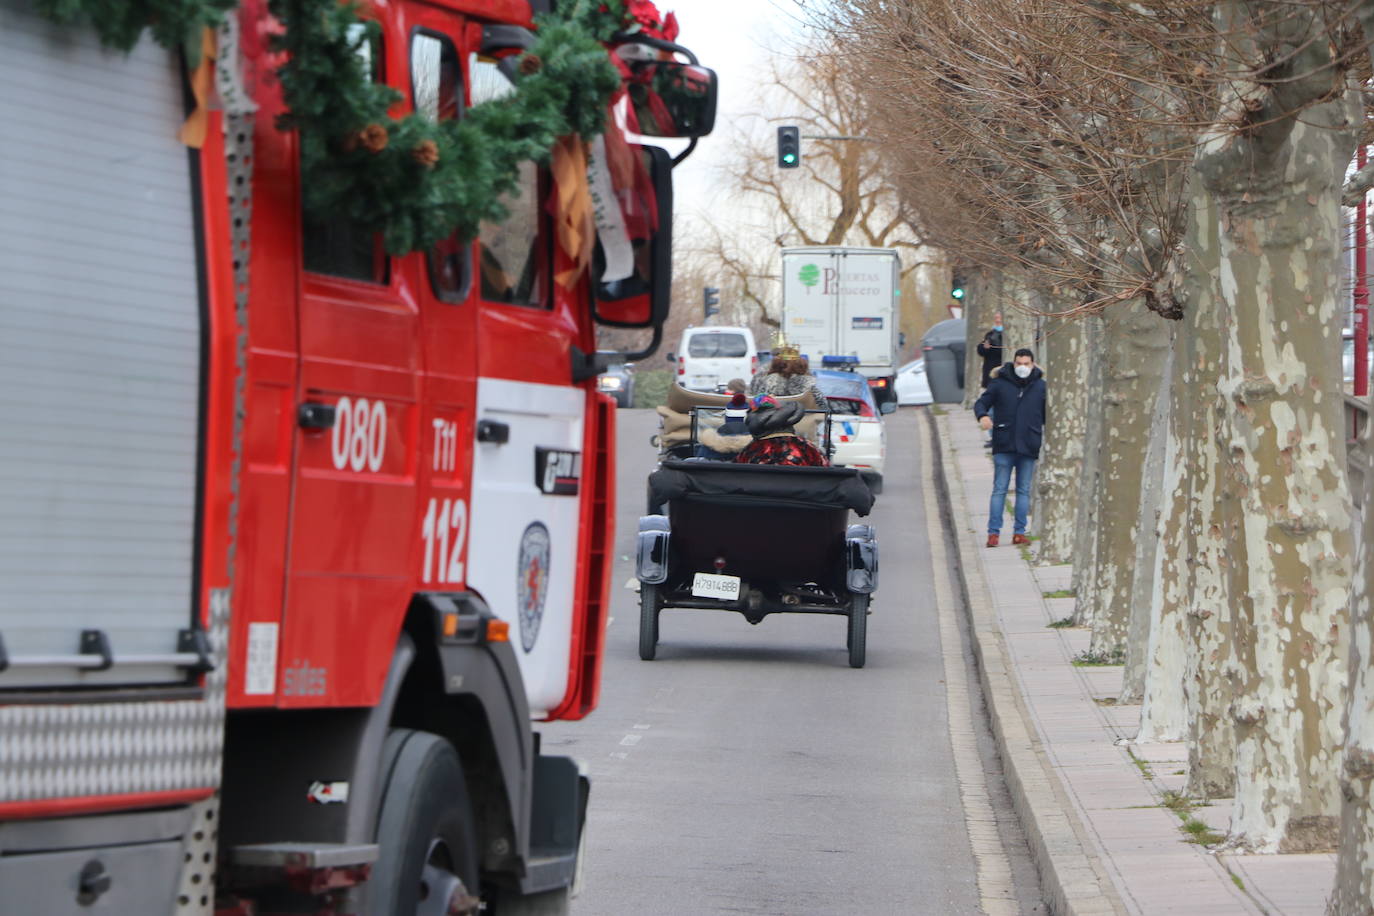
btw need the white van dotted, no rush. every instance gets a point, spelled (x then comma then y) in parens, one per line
(708, 358)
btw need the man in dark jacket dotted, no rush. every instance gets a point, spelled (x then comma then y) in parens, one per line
(990, 348)
(1013, 407)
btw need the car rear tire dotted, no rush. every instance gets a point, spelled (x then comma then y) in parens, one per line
(425, 830)
(649, 606)
(858, 630)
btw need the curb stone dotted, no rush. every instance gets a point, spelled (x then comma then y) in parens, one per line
(1072, 876)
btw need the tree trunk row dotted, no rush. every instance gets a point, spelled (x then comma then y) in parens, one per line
(1195, 474)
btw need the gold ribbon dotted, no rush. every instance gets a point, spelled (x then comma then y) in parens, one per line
(573, 222)
(192, 132)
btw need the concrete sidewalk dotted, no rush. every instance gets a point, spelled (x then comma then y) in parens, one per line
(1092, 805)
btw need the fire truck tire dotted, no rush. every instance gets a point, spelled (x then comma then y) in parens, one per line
(426, 832)
(649, 606)
(858, 630)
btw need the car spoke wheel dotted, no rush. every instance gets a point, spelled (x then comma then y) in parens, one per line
(649, 606)
(858, 630)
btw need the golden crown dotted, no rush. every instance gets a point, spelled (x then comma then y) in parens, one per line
(783, 350)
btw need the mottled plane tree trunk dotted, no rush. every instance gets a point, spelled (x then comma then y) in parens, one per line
(1180, 685)
(1275, 165)
(1085, 527)
(1143, 612)
(1018, 316)
(1137, 341)
(1209, 677)
(1159, 661)
(1059, 475)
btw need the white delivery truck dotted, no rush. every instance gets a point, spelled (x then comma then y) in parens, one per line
(839, 308)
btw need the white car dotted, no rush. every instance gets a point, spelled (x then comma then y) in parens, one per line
(912, 385)
(856, 424)
(708, 358)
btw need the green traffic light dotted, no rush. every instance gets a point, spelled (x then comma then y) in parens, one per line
(789, 158)
(957, 293)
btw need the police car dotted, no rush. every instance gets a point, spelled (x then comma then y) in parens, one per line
(856, 430)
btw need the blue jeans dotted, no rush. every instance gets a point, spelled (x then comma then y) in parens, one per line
(1002, 463)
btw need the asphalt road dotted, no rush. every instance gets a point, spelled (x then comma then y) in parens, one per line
(749, 770)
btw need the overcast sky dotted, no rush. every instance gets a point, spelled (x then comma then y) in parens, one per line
(735, 38)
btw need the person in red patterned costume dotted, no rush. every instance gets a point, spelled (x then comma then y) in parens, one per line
(772, 423)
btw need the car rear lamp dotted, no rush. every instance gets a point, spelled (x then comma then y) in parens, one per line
(719, 563)
(878, 382)
(682, 365)
(497, 630)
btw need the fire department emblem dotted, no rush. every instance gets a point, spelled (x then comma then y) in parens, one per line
(532, 583)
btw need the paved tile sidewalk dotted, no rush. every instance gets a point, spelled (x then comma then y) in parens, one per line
(1115, 789)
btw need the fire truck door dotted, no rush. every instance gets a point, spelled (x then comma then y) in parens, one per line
(526, 492)
(527, 460)
(354, 495)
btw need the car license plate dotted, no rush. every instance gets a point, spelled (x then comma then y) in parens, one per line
(706, 585)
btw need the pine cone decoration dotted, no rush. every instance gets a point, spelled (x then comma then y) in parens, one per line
(426, 153)
(530, 64)
(374, 138)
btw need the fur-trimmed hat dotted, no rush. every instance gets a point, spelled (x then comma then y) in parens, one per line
(770, 416)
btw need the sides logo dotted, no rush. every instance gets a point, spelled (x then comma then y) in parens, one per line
(809, 275)
(532, 581)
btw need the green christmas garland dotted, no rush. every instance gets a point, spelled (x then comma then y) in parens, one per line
(411, 179)
(119, 23)
(414, 180)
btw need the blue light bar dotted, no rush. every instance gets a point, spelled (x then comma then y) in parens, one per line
(836, 359)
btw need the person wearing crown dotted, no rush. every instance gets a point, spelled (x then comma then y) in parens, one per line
(788, 375)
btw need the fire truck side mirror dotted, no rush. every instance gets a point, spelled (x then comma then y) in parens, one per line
(672, 99)
(641, 300)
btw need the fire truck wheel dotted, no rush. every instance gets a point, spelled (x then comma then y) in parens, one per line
(428, 860)
(858, 630)
(649, 606)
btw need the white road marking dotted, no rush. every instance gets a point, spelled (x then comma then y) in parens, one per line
(997, 896)
(630, 740)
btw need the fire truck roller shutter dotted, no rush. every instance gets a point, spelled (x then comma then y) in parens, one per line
(526, 494)
(100, 360)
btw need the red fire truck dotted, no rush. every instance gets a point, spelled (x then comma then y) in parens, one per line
(297, 538)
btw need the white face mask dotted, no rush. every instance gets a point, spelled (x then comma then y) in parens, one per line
(1022, 371)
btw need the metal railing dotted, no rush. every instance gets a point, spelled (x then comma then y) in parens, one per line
(1356, 456)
